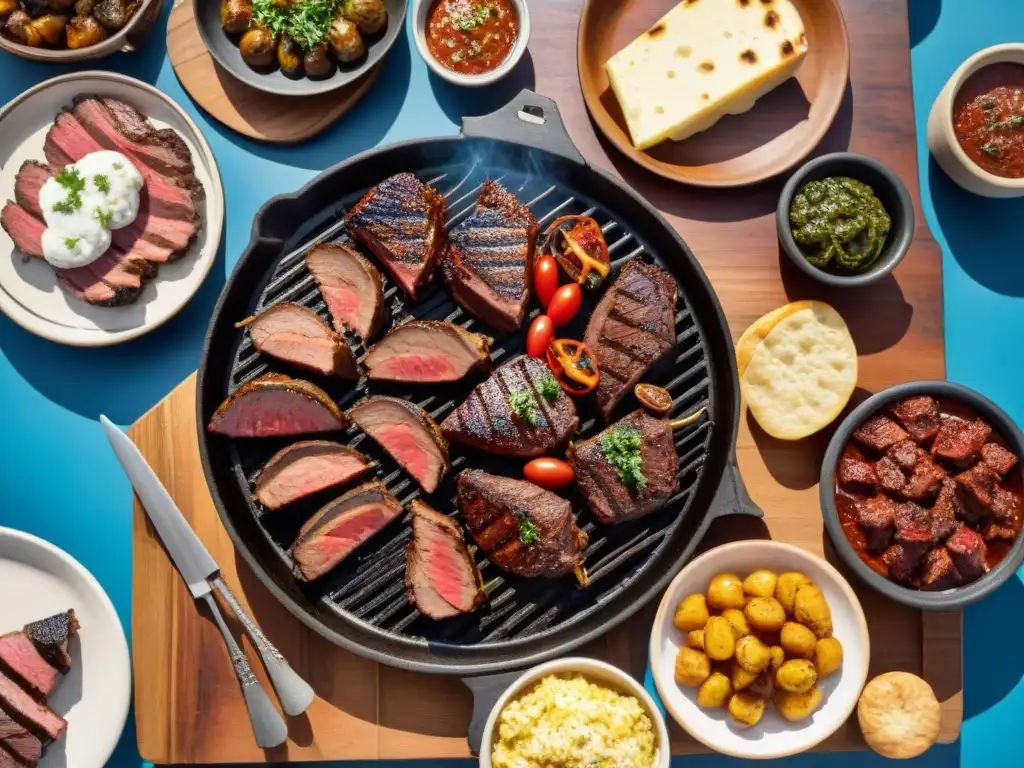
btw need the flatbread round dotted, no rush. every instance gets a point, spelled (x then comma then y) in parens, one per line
(798, 369)
(899, 715)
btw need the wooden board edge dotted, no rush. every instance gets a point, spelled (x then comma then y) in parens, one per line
(942, 668)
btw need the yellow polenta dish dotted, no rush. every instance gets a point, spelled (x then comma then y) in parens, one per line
(571, 722)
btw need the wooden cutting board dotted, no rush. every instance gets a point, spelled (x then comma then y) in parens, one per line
(187, 704)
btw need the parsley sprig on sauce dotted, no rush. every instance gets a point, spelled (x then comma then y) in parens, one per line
(528, 532)
(525, 407)
(307, 22)
(102, 183)
(470, 20)
(621, 448)
(549, 386)
(72, 181)
(104, 216)
(71, 242)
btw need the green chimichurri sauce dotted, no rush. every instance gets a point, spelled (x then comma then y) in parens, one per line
(839, 224)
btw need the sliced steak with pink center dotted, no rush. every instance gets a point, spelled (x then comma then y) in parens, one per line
(441, 579)
(340, 527)
(51, 637)
(19, 747)
(33, 715)
(306, 468)
(351, 287)
(274, 405)
(428, 352)
(19, 658)
(297, 335)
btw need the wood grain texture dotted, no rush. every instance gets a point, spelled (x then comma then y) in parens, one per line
(253, 113)
(188, 708)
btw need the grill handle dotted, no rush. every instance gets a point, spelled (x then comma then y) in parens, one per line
(486, 690)
(529, 119)
(732, 497)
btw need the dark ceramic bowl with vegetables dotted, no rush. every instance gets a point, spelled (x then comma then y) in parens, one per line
(845, 219)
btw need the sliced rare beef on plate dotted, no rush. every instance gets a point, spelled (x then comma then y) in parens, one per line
(612, 500)
(274, 405)
(441, 579)
(490, 257)
(401, 222)
(33, 715)
(408, 434)
(51, 637)
(338, 528)
(351, 287)
(633, 326)
(20, 659)
(487, 419)
(428, 352)
(523, 528)
(297, 335)
(305, 468)
(25, 746)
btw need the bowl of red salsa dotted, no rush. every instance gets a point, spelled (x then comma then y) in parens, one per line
(976, 126)
(471, 42)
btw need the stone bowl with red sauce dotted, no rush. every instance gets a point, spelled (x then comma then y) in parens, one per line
(976, 126)
(936, 526)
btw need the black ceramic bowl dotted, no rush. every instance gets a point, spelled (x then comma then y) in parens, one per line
(949, 599)
(889, 190)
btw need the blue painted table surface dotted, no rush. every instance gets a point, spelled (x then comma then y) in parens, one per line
(58, 479)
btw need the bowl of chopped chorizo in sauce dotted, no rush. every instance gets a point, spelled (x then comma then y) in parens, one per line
(922, 494)
(976, 126)
(471, 42)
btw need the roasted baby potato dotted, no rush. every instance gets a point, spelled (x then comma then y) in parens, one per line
(114, 14)
(765, 614)
(692, 667)
(695, 639)
(811, 609)
(257, 47)
(46, 30)
(83, 31)
(7, 7)
(369, 15)
(785, 588)
(714, 692)
(317, 63)
(719, 640)
(741, 677)
(778, 656)
(290, 56)
(797, 706)
(346, 42)
(746, 708)
(752, 654)
(692, 613)
(798, 640)
(828, 656)
(760, 584)
(737, 620)
(235, 16)
(796, 676)
(726, 591)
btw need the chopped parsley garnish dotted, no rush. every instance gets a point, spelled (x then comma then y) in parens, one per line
(104, 216)
(1009, 124)
(549, 386)
(991, 150)
(118, 166)
(102, 183)
(71, 242)
(308, 22)
(528, 532)
(467, 22)
(72, 181)
(525, 407)
(621, 448)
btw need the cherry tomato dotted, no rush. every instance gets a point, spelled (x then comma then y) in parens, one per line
(542, 330)
(565, 304)
(545, 279)
(549, 473)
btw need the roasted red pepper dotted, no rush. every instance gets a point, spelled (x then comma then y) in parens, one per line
(579, 247)
(574, 366)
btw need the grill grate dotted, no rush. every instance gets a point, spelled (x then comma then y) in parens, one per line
(369, 586)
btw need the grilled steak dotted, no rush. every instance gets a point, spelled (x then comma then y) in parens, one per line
(306, 468)
(51, 637)
(34, 715)
(351, 287)
(408, 434)
(441, 579)
(297, 335)
(276, 406)
(20, 659)
(338, 528)
(26, 747)
(7, 760)
(523, 528)
(490, 257)
(486, 420)
(633, 326)
(401, 222)
(612, 500)
(427, 352)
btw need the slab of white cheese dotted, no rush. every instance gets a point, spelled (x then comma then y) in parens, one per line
(702, 60)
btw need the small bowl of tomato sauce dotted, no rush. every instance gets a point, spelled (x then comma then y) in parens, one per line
(471, 42)
(976, 126)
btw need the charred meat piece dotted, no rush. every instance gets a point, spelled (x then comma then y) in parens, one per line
(919, 416)
(913, 524)
(611, 500)
(428, 352)
(20, 658)
(1005, 505)
(998, 458)
(945, 511)
(877, 519)
(959, 440)
(408, 434)
(306, 468)
(855, 471)
(633, 326)
(297, 335)
(986, 495)
(26, 747)
(401, 222)
(996, 532)
(904, 454)
(968, 551)
(277, 406)
(351, 287)
(510, 415)
(902, 560)
(34, 715)
(925, 481)
(490, 257)
(7, 760)
(890, 476)
(879, 433)
(938, 571)
(441, 579)
(522, 528)
(51, 637)
(338, 528)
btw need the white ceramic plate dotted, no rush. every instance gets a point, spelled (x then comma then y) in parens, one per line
(773, 737)
(38, 580)
(30, 293)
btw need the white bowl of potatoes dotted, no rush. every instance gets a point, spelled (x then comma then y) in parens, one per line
(759, 649)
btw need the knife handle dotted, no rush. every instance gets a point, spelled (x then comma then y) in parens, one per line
(268, 726)
(294, 693)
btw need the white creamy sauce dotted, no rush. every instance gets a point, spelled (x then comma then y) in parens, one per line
(84, 203)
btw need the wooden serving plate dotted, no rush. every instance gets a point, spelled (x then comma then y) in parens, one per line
(781, 130)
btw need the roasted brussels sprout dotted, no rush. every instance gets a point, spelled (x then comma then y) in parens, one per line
(746, 709)
(235, 16)
(290, 56)
(797, 706)
(114, 14)
(346, 42)
(692, 613)
(719, 640)
(692, 667)
(796, 676)
(765, 614)
(714, 692)
(726, 591)
(84, 31)
(369, 15)
(257, 47)
(828, 656)
(317, 62)
(46, 30)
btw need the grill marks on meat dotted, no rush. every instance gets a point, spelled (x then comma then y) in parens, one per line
(632, 328)
(611, 500)
(297, 335)
(19, 742)
(408, 434)
(340, 527)
(20, 659)
(428, 352)
(305, 468)
(486, 420)
(441, 579)
(351, 287)
(274, 405)
(401, 221)
(33, 715)
(495, 508)
(489, 259)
